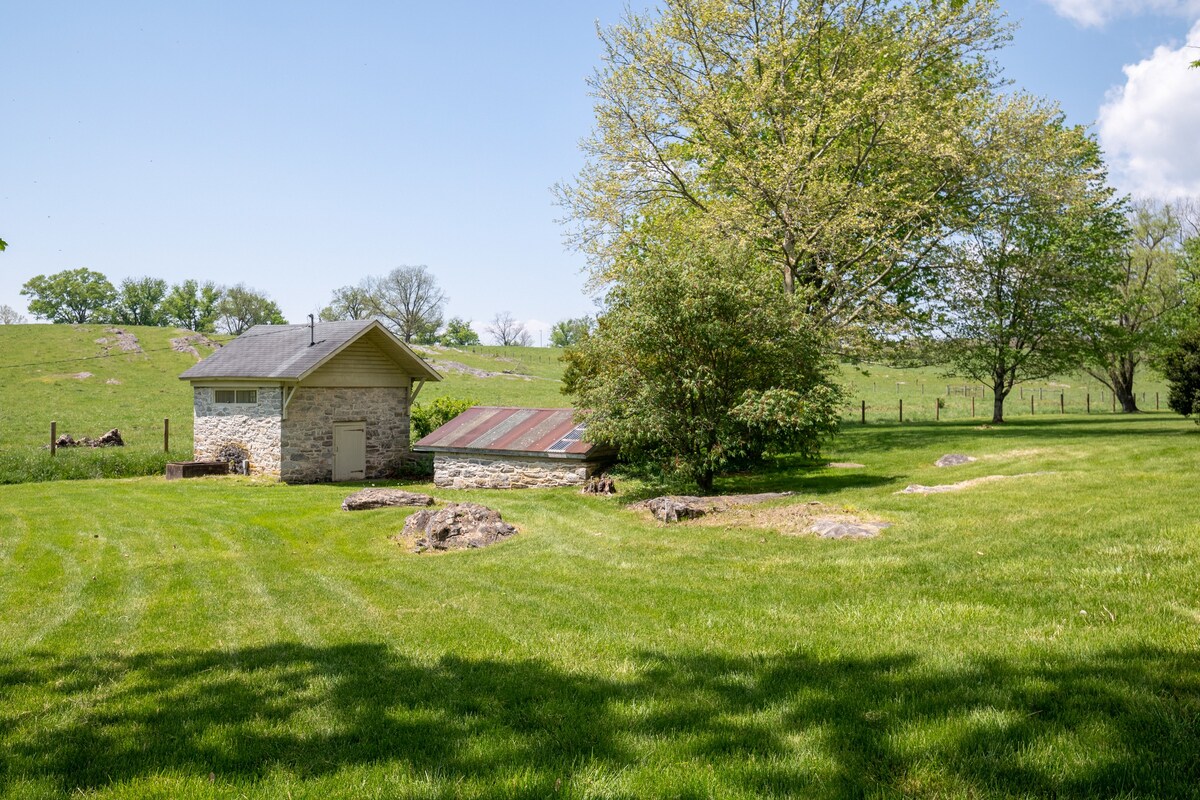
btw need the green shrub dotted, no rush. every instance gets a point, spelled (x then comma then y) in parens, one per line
(428, 418)
(1181, 368)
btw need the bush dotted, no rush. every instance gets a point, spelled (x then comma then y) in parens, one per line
(1181, 368)
(428, 418)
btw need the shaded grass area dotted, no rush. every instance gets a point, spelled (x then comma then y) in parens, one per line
(1023, 639)
(1083, 726)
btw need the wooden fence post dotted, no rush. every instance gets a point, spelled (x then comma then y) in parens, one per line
(972, 406)
(166, 434)
(1089, 402)
(53, 436)
(1031, 411)
(864, 412)
(1156, 401)
(1062, 402)
(902, 409)
(937, 412)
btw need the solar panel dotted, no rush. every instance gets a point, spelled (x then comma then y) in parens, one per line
(572, 436)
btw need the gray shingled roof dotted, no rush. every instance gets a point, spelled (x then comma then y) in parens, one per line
(282, 352)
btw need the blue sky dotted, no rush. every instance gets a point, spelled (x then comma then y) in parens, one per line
(298, 147)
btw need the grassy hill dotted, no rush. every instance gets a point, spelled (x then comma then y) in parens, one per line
(80, 377)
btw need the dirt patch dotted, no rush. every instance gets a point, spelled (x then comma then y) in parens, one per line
(675, 507)
(113, 382)
(845, 465)
(804, 519)
(187, 344)
(81, 376)
(917, 488)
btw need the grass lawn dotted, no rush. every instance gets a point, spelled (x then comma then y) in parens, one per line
(222, 638)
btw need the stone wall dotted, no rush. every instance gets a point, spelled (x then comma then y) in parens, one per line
(457, 471)
(255, 428)
(307, 442)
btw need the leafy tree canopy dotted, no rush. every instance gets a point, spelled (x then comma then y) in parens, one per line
(70, 296)
(1041, 249)
(693, 370)
(241, 308)
(193, 306)
(409, 300)
(458, 333)
(829, 137)
(348, 302)
(139, 302)
(568, 332)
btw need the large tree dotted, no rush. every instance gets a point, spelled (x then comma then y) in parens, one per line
(139, 302)
(348, 302)
(829, 135)
(240, 308)
(75, 295)
(507, 331)
(193, 306)
(692, 369)
(569, 332)
(409, 299)
(458, 333)
(1140, 315)
(1041, 249)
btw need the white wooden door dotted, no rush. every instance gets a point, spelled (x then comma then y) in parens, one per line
(349, 451)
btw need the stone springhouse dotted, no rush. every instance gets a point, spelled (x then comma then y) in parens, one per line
(488, 447)
(327, 402)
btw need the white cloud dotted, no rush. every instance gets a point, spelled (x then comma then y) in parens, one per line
(1094, 13)
(1150, 127)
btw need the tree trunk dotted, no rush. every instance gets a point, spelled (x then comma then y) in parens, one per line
(998, 408)
(1121, 377)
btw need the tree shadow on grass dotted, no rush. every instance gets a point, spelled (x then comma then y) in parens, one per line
(1119, 722)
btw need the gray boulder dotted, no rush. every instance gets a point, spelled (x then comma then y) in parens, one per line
(384, 498)
(458, 526)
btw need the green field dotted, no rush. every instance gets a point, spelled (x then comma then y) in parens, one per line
(1034, 637)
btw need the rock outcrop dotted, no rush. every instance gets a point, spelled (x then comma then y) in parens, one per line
(458, 526)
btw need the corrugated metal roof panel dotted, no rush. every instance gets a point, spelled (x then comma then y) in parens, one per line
(492, 429)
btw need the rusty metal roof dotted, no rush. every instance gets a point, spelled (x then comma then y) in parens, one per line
(511, 431)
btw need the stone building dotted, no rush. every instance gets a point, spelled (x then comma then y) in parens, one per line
(309, 403)
(487, 447)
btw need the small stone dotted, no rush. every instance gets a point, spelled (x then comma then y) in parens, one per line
(953, 460)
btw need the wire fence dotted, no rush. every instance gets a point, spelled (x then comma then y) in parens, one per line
(934, 403)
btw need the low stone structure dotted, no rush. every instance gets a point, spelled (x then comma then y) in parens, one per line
(490, 447)
(456, 471)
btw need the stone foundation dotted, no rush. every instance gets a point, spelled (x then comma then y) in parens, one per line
(453, 471)
(255, 428)
(307, 442)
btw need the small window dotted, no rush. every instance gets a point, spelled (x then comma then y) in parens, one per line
(242, 396)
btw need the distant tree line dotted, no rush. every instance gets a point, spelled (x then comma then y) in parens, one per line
(409, 300)
(85, 296)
